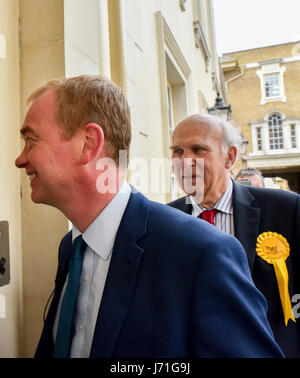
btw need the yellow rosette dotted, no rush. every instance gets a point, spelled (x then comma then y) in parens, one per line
(274, 249)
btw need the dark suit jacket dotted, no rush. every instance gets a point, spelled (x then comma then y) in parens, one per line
(176, 287)
(258, 210)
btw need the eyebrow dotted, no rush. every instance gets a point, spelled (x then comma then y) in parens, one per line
(27, 129)
(194, 145)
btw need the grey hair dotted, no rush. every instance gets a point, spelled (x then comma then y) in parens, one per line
(232, 137)
(249, 172)
(231, 134)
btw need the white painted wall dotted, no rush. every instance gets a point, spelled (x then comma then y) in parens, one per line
(11, 294)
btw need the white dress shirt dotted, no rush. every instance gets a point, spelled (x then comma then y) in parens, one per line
(100, 238)
(224, 217)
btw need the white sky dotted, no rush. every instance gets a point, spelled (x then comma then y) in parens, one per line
(246, 24)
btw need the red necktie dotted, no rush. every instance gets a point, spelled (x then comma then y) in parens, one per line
(208, 215)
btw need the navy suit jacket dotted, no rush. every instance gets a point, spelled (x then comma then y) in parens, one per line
(258, 210)
(176, 287)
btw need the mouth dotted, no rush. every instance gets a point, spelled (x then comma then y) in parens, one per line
(31, 176)
(190, 177)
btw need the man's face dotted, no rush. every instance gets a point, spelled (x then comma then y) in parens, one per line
(47, 157)
(198, 147)
(254, 179)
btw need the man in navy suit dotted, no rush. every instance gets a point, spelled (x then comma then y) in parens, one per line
(255, 216)
(153, 282)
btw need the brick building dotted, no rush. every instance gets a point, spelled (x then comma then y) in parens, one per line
(263, 87)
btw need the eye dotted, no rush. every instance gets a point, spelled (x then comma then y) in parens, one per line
(198, 150)
(177, 152)
(29, 141)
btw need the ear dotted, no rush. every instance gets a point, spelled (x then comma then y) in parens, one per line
(93, 137)
(231, 157)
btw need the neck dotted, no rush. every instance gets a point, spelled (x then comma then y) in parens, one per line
(213, 194)
(86, 213)
(86, 204)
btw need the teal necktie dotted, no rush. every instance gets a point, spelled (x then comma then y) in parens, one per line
(65, 324)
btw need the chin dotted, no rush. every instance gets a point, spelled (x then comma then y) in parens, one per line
(39, 198)
(36, 199)
(193, 190)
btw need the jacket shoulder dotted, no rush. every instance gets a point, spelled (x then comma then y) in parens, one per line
(183, 229)
(251, 193)
(182, 204)
(177, 202)
(275, 197)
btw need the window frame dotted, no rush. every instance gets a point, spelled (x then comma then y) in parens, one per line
(259, 140)
(261, 136)
(268, 70)
(293, 126)
(275, 128)
(272, 90)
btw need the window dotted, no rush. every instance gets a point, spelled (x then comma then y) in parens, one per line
(293, 136)
(275, 135)
(272, 88)
(259, 139)
(271, 76)
(275, 132)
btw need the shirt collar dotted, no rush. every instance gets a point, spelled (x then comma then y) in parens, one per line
(101, 233)
(224, 204)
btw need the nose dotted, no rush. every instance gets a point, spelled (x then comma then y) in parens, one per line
(188, 159)
(184, 165)
(21, 160)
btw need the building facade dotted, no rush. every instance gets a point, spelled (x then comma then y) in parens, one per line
(162, 53)
(263, 89)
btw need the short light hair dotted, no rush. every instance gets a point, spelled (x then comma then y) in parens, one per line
(91, 99)
(231, 135)
(246, 172)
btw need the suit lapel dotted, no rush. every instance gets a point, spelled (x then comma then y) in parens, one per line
(45, 346)
(183, 204)
(245, 231)
(121, 278)
(246, 220)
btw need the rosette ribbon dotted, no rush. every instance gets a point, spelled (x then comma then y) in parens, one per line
(274, 249)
